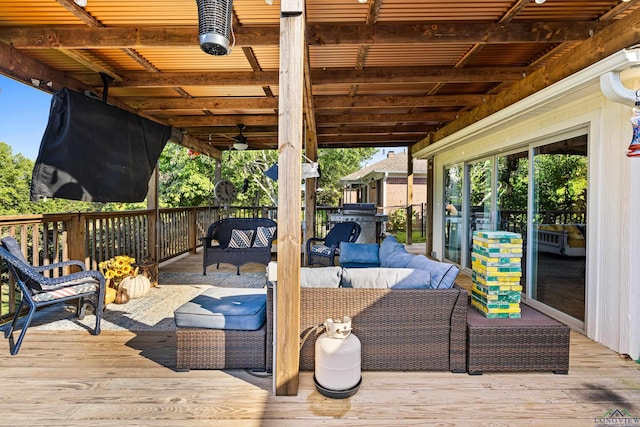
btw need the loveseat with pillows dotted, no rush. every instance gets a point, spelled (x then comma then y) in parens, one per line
(238, 241)
(406, 309)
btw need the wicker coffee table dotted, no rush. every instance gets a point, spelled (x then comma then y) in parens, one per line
(535, 342)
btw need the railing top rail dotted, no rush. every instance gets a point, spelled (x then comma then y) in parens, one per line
(33, 219)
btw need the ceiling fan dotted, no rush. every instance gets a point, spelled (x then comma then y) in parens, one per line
(239, 141)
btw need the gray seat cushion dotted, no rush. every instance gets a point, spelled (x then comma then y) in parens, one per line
(224, 308)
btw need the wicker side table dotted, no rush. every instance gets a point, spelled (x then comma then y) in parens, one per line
(535, 342)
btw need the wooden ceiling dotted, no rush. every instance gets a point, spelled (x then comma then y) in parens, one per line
(383, 73)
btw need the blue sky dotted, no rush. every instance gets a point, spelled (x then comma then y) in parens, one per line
(24, 112)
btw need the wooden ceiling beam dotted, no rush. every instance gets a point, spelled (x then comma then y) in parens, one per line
(263, 120)
(208, 103)
(338, 102)
(181, 138)
(373, 129)
(329, 76)
(320, 102)
(407, 139)
(443, 33)
(86, 59)
(386, 119)
(325, 129)
(317, 35)
(222, 120)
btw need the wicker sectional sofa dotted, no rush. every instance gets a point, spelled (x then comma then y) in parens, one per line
(399, 329)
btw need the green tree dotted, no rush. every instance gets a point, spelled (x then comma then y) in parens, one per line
(15, 177)
(334, 164)
(185, 181)
(246, 170)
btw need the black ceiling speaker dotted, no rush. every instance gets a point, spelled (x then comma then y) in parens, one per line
(214, 25)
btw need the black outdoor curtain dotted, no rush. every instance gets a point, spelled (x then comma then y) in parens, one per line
(93, 151)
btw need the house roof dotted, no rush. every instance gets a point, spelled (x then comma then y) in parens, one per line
(386, 73)
(392, 164)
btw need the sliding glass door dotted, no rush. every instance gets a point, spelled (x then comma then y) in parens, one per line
(558, 267)
(480, 200)
(453, 226)
(511, 200)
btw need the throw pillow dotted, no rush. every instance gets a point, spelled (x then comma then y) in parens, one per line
(264, 235)
(393, 254)
(358, 255)
(443, 274)
(387, 247)
(240, 239)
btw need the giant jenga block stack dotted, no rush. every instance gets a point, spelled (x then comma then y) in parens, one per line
(497, 268)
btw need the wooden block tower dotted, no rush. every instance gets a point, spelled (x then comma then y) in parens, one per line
(496, 260)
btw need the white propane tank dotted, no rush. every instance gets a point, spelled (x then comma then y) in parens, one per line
(338, 353)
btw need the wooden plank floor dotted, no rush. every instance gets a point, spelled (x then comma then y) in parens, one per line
(72, 378)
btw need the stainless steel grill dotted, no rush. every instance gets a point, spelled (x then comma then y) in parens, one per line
(371, 223)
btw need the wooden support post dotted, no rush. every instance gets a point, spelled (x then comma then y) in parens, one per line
(310, 190)
(287, 308)
(153, 219)
(409, 197)
(429, 210)
(311, 151)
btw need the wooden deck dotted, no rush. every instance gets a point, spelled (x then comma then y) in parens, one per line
(124, 378)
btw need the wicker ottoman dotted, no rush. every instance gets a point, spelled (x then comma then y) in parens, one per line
(199, 348)
(535, 342)
(222, 328)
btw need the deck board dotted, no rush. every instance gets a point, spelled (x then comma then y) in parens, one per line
(72, 378)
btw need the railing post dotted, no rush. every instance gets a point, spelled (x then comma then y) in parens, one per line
(74, 240)
(193, 226)
(409, 229)
(152, 237)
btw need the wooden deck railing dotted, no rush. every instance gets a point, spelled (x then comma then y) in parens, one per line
(97, 236)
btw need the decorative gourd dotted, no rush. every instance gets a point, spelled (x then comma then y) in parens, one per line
(121, 296)
(137, 285)
(109, 295)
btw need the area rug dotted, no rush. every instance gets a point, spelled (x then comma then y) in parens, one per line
(223, 280)
(153, 312)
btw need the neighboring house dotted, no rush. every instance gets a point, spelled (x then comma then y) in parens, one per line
(385, 183)
(592, 283)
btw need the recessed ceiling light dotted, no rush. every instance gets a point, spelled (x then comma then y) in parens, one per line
(362, 1)
(81, 3)
(540, 1)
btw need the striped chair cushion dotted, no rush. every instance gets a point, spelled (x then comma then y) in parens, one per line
(321, 249)
(67, 289)
(263, 236)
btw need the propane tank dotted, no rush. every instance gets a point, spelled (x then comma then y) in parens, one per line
(337, 351)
